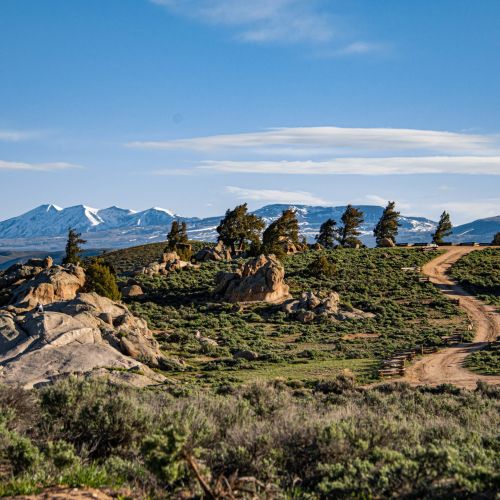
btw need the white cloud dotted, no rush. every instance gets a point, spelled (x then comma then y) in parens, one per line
(277, 196)
(472, 210)
(361, 48)
(470, 165)
(337, 140)
(16, 135)
(261, 21)
(37, 167)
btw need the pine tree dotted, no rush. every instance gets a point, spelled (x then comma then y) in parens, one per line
(444, 229)
(327, 234)
(239, 228)
(73, 249)
(387, 226)
(496, 240)
(348, 233)
(99, 278)
(284, 230)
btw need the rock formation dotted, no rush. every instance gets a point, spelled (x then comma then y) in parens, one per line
(259, 280)
(169, 261)
(217, 253)
(76, 333)
(309, 307)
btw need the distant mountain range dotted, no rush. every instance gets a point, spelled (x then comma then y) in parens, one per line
(46, 227)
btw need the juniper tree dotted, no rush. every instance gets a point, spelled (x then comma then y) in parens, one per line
(387, 226)
(239, 228)
(73, 249)
(285, 229)
(100, 278)
(496, 240)
(178, 240)
(352, 218)
(327, 234)
(444, 229)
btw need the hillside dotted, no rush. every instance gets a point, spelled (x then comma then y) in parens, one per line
(276, 405)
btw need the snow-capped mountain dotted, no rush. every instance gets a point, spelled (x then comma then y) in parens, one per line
(46, 227)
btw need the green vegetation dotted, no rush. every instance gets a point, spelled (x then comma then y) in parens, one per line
(128, 259)
(314, 440)
(349, 232)
(328, 234)
(284, 230)
(100, 278)
(240, 229)
(444, 229)
(177, 240)
(479, 273)
(407, 314)
(73, 248)
(387, 226)
(486, 362)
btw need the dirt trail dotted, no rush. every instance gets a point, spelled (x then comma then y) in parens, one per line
(446, 366)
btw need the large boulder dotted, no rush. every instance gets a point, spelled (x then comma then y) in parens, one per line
(386, 243)
(50, 285)
(259, 280)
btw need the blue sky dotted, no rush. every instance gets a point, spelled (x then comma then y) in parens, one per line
(197, 105)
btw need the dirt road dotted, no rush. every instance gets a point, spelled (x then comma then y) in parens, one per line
(446, 366)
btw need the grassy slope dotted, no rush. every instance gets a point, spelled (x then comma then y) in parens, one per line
(479, 272)
(408, 313)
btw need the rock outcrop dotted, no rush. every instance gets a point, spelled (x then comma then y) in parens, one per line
(259, 280)
(309, 308)
(217, 253)
(80, 333)
(50, 285)
(170, 261)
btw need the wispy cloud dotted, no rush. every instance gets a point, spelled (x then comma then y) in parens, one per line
(469, 165)
(284, 22)
(36, 167)
(261, 21)
(276, 196)
(327, 140)
(16, 135)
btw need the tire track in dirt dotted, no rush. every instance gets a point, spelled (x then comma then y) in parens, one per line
(446, 365)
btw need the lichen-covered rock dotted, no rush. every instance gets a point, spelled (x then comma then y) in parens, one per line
(258, 280)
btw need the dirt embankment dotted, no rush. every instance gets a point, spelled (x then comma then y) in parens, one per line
(446, 366)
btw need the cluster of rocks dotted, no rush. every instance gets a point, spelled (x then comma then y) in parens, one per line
(309, 308)
(51, 329)
(261, 279)
(217, 253)
(169, 261)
